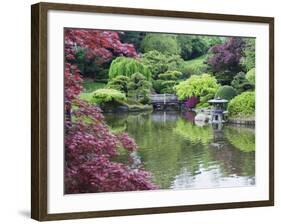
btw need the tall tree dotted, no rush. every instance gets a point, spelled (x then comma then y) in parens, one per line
(224, 60)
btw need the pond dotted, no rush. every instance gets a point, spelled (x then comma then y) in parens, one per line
(183, 155)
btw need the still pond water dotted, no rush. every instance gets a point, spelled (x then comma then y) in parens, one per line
(183, 155)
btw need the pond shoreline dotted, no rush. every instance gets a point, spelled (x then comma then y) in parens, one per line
(241, 121)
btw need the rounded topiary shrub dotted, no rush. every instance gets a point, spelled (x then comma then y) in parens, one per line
(106, 95)
(242, 105)
(127, 67)
(226, 92)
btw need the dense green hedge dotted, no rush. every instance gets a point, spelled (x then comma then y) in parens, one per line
(242, 105)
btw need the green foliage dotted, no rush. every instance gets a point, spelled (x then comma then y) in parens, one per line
(213, 40)
(248, 60)
(90, 85)
(194, 46)
(242, 138)
(191, 46)
(159, 63)
(195, 66)
(132, 37)
(166, 82)
(89, 67)
(226, 92)
(101, 96)
(170, 75)
(241, 84)
(127, 67)
(199, 86)
(164, 43)
(242, 105)
(119, 83)
(250, 76)
(139, 88)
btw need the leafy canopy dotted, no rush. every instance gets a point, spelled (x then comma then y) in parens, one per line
(197, 85)
(249, 54)
(127, 67)
(241, 84)
(164, 43)
(159, 63)
(139, 88)
(250, 76)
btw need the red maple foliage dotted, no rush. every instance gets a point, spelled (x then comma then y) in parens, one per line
(89, 145)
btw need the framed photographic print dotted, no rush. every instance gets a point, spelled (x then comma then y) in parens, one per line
(140, 111)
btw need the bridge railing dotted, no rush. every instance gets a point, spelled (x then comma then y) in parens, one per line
(163, 98)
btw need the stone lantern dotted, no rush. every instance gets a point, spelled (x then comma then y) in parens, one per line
(218, 113)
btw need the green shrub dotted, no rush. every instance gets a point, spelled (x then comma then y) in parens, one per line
(139, 88)
(127, 67)
(159, 63)
(164, 43)
(241, 84)
(195, 66)
(197, 85)
(167, 82)
(242, 105)
(226, 92)
(170, 75)
(101, 96)
(119, 83)
(250, 76)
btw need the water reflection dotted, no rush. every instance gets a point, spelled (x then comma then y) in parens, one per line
(181, 155)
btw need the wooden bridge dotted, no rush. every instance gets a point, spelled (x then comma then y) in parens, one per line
(165, 101)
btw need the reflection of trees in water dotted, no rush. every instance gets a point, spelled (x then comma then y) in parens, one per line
(194, 133)
(168, 144)
(242, 138)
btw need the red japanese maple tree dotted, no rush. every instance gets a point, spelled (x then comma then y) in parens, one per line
(89, 145)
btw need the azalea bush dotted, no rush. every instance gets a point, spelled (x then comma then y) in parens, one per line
(191, 102)
(90, 147)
